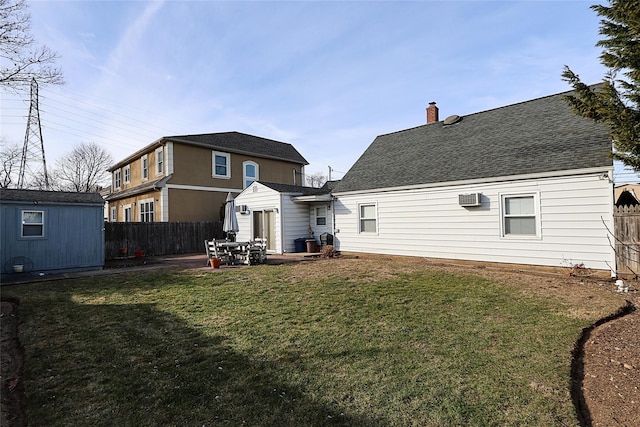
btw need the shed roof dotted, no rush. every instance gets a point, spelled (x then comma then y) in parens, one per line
(297, 189)
(537, 136)
(40, 196)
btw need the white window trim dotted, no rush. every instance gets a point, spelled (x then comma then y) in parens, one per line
(22, 224)
(126, 177)
(140, 203)
(144, 159)
(326, 213)
(213, 164)
(114, 214)
(375, 205)
(536, 207)
(244, 172)
(124, 210)
(117, 178)
(159, 160)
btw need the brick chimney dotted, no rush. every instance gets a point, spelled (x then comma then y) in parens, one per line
(432, 113)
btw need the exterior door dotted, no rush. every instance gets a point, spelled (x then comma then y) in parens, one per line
(264, 228)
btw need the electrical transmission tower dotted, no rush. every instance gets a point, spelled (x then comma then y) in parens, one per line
(33, 164)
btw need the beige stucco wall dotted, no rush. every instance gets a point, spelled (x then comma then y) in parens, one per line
(136, 171)
(135, 203)
(194, 205)
(194, 166)
(202, 194)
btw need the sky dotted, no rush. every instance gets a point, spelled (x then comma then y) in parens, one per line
(324, 76)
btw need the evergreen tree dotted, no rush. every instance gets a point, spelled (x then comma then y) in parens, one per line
(615, 102)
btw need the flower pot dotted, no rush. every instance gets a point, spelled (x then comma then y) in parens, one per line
(139, 254)
(215, 262)
(123, 251)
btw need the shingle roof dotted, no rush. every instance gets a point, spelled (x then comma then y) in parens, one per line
(237, 142)
(298, 189)
(31, 196)
(231, 142)
(541, 135)
(139, 189)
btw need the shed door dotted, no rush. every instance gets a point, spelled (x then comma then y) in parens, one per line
(264, 227)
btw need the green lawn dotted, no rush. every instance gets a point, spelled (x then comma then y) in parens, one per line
(330, 342)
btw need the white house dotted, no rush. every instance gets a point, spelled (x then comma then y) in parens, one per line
(529, 183)
(282, 213)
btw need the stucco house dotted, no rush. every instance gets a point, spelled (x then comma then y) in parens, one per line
(283, 213)
(50, 231)
(529, 183)
(188, 177)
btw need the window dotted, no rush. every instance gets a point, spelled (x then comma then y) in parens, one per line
(321, 215)
(519, 215)
(32, 224)
(127, 174)
(116, 179)
(145, 167)
(250, 173)
(159, 161)
(114, 214)
(368, 221)
(221, 165)
(127, 213)
(146, 211)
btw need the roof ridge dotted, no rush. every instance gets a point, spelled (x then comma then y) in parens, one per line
(492, 109)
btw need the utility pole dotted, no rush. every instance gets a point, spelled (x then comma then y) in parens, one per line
(33, 162)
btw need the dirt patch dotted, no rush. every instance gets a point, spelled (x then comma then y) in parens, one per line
(607, 358)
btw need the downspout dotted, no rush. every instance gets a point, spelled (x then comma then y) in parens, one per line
(280, 213)
(333, 222)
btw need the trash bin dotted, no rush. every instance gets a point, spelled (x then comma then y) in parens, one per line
(300, 244)
(312, 245)
(326, 239)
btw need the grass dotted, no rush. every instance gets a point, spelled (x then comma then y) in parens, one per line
(332, 342)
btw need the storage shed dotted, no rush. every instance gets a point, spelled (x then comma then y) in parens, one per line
(50, 231)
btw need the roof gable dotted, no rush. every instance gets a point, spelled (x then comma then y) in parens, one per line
(537, 136)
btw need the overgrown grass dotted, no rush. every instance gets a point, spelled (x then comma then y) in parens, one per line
(334, 342)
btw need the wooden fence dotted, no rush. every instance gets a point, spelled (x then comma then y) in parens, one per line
(158, 238)
(627, 231)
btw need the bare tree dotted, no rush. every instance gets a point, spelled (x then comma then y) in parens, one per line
(316, 179)
(10, 157)
(21, 60)
(83, 169)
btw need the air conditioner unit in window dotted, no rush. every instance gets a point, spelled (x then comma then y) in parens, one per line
(468, 200)
(243, 209)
